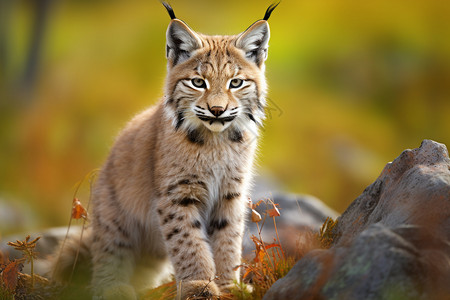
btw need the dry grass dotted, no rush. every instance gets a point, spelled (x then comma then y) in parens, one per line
(16, 285)
(269, 263)
(326, 233)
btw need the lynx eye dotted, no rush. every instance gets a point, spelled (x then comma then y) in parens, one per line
(236, 83)
(198, 83)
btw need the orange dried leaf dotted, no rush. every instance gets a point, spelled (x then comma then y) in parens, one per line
(256, 217)
(78, 211)
(259, 203)
(256, 242)
(273, 212)
(10, 275)
(33, 242)
(259, 253)
(247, 272)
(272, 246)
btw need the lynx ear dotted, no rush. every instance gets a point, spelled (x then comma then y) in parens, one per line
(181, 41)
(255, 41)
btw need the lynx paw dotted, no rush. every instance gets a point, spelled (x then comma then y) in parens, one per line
(199, 288)
(120, 291)
(226, 287)
(234, 287)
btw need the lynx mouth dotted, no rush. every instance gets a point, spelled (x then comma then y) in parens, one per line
(212, 120)
(216, 124)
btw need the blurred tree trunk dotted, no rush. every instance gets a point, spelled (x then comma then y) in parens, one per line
(5, 21)
(41, 9)
(16, 86)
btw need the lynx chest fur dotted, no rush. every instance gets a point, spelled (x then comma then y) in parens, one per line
(175, 185)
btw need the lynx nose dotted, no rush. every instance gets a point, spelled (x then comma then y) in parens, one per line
(217, 110)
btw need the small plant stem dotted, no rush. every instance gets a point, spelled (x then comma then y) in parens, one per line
(62, 245)
(179, 288)
(264, 246)
(92, 175)
(274, 260)
(32, 270)
(68, 229)
(278, 238)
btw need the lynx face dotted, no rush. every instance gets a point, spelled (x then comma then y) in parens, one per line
(215, 83)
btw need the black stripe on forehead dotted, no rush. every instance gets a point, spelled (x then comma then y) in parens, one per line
(224, 66)
(207, 67)
(216, 53)
(221, 67)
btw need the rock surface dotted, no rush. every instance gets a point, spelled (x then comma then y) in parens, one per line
(393, 241)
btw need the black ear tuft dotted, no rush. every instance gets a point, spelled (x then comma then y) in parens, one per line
(170, 9)
(270, 10)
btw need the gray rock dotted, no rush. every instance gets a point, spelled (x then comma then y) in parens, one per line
(379, 264)
(413, 189)
(391, 243)
(16, 215)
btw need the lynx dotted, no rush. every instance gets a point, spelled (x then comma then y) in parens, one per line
(174, 188)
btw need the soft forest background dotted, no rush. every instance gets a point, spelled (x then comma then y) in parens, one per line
(352, 84)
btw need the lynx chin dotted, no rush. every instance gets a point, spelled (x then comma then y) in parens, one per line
(172, 194)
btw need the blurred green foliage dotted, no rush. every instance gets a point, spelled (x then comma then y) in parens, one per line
(352, 84)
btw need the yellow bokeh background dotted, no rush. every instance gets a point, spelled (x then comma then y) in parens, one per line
(352, 84)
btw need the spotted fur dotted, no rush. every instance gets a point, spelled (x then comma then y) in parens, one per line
(174, 188)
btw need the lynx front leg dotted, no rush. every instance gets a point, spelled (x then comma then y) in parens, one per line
(225, 231)
(113, 262)
(186, 242)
